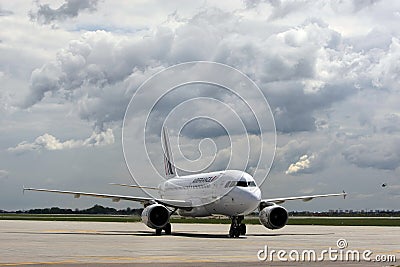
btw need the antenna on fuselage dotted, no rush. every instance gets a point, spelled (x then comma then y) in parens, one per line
(170, 170)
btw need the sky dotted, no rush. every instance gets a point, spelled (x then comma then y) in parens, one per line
(330, 71)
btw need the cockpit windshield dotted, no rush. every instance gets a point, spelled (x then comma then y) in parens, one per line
(241, 183)
(246, 183)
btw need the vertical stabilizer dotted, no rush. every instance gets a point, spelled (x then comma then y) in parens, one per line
(169, 166)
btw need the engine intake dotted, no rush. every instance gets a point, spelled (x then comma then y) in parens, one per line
(273, 217)
(155, 216)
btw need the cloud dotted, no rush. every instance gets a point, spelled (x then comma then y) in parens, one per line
(282, 9)
(391, 123)
(83, 62)
(385, 74)
(297, 68)
(290, 152)
(304, 69)
(369, 137)
(4, 12)
(301, 166)
(328, 68)
(49, 142)
(372, 152)
(69, 9)
(300, 156)
(353, 6)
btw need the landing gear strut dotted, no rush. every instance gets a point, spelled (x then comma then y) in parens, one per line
(237, 227)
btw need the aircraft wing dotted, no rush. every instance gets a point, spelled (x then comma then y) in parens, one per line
(115, 198)
(136, 186)
(304, 198)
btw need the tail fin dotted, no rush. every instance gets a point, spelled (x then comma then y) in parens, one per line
(169, 166)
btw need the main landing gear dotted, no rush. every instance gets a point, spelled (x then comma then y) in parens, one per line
(167, 229)
(237, 227)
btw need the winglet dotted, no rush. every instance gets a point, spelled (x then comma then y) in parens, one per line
(344, 194)
(25, 189)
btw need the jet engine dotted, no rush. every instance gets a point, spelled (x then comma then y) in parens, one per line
(273, 216)
(155, 216)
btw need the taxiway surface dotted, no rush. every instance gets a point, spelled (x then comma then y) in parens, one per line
(130, 244)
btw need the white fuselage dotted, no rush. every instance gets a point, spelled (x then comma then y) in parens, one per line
(229, 192)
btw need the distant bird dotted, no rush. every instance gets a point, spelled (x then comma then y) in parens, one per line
(384, 184)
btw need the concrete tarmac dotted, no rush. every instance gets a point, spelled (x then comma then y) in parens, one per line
(42, 243)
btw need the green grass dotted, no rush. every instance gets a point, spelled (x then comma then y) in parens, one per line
(355, 221)
(346, 221)
(78, 218)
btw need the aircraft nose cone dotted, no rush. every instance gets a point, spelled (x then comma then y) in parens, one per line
(252, 199)
(256, 196)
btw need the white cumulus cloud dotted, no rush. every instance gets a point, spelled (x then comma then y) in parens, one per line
(304, 163)
(49, 142)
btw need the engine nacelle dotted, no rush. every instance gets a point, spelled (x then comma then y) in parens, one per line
(273, 216)
(155, 216)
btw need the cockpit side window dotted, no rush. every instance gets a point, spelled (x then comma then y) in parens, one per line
(251, 183)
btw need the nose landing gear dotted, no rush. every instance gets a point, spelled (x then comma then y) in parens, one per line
(237, 227)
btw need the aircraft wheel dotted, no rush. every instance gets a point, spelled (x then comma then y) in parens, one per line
(237, 232)
(232, 232)
(167, 229)
(158, 231)
(243, 229)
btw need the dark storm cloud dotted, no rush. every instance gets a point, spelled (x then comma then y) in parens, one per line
(286, 66)
(294, 109)
(84, 62)
(373, 153)
(69, 9)
(328, 68)
(301, 70)
(101, 84)
(380, 148)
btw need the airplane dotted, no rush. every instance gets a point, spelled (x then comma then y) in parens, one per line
(231, 193)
